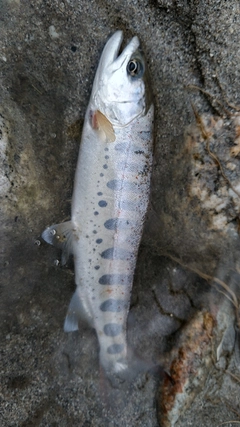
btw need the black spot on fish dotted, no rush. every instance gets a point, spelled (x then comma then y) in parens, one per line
(98, 241)
(113, 305)
(116, 253)
(114, 279)
(105, 166)
(96, 213)
(106, 157)
(120, 184)
(115, 348)
(97, 267)
(139, 152)
(94, 231)
(99, 193)
(102, 203)
(106, 149)
(112, 329)
(101, 174)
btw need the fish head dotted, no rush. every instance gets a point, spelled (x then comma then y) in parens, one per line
(120, 89)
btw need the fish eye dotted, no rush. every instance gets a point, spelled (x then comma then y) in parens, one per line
(135, 68)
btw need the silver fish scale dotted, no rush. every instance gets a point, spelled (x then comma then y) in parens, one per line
(109, 204)
(110, 199)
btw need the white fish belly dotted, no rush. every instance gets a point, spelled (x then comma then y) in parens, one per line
(110, 200)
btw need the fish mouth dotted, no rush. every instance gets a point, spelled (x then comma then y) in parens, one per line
(110, 55)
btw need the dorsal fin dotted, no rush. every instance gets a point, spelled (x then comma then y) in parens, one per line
(101, 122)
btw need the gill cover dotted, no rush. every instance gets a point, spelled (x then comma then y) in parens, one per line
(119, 90)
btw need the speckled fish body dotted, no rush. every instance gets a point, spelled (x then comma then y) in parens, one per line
(110, 199)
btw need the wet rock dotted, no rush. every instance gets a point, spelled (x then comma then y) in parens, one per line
(48, 56)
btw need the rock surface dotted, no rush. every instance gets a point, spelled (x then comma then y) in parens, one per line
(49, 51)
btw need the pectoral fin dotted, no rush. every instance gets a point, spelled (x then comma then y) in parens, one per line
(60, 235)
(101, 123)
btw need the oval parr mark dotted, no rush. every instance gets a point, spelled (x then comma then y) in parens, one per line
(113, 305)
(118, 224)
(128, 205)
(120, 184)
(102, 203)
(130, 167)
(145, 135)
(114, 279)
(121, 147)
(115, 348)
(116, 253)
(112, 329)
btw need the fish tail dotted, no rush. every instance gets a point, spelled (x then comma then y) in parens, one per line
(113, 356)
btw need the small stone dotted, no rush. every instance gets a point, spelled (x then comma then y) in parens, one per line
(52, 32)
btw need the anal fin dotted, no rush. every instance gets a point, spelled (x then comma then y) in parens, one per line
(76, 312)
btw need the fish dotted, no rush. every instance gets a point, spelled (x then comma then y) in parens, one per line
(110, 199)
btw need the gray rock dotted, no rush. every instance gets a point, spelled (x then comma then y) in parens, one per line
(49, 53)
